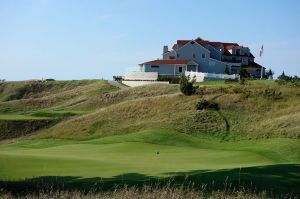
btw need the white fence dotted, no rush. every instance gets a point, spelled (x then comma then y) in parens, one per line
(200, 77)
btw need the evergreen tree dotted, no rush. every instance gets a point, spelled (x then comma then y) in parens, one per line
(187, 85)
(243, 73)
(226, 71)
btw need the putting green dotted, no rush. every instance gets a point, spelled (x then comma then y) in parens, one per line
(110, 157)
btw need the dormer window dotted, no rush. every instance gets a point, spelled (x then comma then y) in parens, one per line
(203, 55)
(178, 55)
(194, 55)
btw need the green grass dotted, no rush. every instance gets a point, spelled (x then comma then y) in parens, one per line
(114, 135)
(137, 153)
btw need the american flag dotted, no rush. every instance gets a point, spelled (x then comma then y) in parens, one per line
(261, 52)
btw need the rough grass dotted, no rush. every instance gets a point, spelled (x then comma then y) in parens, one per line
(239, 117)
(149, 192)
(56, 95)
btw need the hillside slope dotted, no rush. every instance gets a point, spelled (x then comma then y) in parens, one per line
(257, 109)
(151, 133)
(246, 111)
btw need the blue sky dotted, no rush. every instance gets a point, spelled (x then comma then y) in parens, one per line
(75, 39)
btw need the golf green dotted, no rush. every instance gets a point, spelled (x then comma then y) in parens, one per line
(20, 161)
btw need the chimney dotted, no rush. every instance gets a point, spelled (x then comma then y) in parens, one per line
(165, 49)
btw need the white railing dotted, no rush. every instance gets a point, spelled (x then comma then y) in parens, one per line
(200, 77)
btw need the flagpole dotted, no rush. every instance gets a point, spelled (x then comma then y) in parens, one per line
(260, 55)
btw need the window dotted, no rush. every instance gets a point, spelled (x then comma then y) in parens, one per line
(194, 55)
(154, 66)
(203, 55)
(178, 55)
(180, 69)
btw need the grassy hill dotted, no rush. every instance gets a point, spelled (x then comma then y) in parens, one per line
(100, 133)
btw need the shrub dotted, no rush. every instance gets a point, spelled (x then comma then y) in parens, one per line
(243, 73)
(204, 104)
(187, 85)
(288, 80)
(170, 79)
(117, 78)
(226, 70)
(231, 80)
(272, 94)
(49, 80)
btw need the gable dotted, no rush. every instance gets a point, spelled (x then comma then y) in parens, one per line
(193, 45)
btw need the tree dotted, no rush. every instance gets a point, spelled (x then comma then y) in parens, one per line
(243, 73)
(283, 76)
(270, 74)
(226, 71)
(187, 85)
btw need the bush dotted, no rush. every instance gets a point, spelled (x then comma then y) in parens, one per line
(243, 73)
(231, 80)
(49, 80)
(204, 104)
(226, 70)
(117, 78)
(170, 79)
(272, 94)
(288, 80)
(187, 85)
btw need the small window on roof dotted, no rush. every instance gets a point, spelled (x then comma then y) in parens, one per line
(178, 55)
(203, 55)
(154, 66)
(194, 55)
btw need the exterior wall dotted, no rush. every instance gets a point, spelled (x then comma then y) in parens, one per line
(149, 76)
(214, 66)
(187, 51)
(215, 53)
(165, 69)
(245, 61)
(192, 68)
(142, 83)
